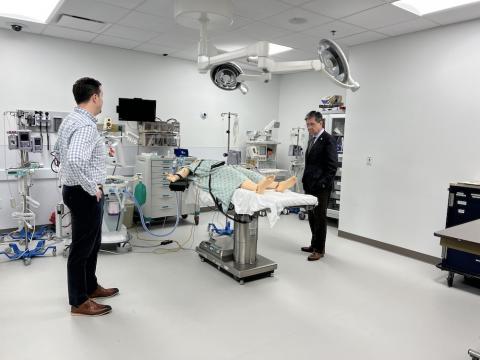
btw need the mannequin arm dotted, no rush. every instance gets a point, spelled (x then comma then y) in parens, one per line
(183, 173)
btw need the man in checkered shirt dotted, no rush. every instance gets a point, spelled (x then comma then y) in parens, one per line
(81, 151)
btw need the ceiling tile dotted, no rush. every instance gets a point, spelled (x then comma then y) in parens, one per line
(282, 20)
(255, 9)
(380, 16)
(299, 41)
(29, 27)
(115, 41)
(62, 32)
(260, 31)
(155, 49)
(407, 27)
(93, 10)
(341, 30)
(147, 22)
(126, 32)
(128, 4)
(176, 39)
(361, 38)
(341, 8)
(461, 13)
(238, 22)
(157, 7)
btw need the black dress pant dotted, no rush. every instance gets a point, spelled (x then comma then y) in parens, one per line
(318, 221)
(86, 214)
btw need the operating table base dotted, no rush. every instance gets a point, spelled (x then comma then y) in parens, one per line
(262, 267)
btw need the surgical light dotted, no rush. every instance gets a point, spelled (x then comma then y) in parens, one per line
(30, 10)
(225, 76)
(422, 7)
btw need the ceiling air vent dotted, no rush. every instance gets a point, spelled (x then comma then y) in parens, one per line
(81, 23)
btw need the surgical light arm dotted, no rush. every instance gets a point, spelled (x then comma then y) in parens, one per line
(260, 51)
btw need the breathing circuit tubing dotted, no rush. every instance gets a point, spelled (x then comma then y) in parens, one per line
(142, 219)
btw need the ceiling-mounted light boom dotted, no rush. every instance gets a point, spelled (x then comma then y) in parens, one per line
(229, 76)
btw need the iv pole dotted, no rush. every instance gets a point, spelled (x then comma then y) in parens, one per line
(228, 131)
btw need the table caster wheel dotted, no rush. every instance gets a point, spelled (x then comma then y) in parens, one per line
(202, 259)
(66, 252)
(450, 279)
(301, 215)
(196, 218)
(184, 216)
(27, 261)
(241, 282)
(54, 252)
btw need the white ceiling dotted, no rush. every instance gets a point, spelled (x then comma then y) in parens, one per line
(149, 25)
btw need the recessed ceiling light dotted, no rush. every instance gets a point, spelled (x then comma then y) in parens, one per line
(422, 7)
(297, 20)
(29, 10)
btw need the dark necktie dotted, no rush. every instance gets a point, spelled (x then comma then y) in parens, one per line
(310, 144)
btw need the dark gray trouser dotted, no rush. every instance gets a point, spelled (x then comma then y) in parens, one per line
(317, 219)
(86, 214)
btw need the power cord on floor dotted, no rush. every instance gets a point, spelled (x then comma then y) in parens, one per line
(159, 251)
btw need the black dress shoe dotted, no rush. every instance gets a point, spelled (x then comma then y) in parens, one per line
(308, 249)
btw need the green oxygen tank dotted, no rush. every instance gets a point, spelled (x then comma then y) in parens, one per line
(140, 193)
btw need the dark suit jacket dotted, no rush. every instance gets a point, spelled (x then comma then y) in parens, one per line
(321, 163)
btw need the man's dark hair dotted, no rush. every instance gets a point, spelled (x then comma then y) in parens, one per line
(84, 88)
(315, 114)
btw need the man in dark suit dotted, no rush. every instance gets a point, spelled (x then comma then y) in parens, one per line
(321, 162)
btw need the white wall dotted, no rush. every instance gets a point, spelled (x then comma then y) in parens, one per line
(37, 72)
(417, 113)
(299, 94)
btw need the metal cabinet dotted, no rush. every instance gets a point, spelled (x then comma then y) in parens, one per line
(463, 204)
(335, 125)
(461, 255)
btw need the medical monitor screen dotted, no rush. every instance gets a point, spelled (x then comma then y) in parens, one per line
(136, 109)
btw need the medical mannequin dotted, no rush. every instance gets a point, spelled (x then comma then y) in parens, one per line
(223, 180)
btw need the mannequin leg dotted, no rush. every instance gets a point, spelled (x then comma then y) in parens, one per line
(259, 187)
(281, 186)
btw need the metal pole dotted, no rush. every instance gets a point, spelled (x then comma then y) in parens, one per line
(24, 162)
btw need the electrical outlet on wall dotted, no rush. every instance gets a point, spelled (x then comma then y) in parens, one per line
(369, 160)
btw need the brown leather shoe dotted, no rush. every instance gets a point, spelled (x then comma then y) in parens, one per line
(308, 249)
(90, 308)
(315, 256)
(101, 292)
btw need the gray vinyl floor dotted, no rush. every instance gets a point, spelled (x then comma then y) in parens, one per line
(358, 302)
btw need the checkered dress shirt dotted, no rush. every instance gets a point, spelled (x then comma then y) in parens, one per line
(81, 151)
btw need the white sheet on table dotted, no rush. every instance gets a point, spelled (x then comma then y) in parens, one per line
(249, 202)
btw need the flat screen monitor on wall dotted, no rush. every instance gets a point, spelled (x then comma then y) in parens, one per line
(136, 109)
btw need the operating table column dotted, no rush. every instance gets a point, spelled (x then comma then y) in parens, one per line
(245, 239)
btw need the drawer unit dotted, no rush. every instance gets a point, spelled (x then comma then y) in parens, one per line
(160, 202)
(462, 262)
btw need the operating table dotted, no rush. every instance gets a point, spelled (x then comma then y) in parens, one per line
(242, 261)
